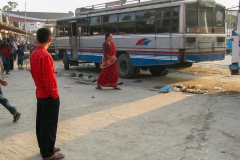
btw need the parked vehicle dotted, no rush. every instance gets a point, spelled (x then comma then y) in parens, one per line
(155, 35)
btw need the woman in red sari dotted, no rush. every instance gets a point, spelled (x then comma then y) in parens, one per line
(109, 74)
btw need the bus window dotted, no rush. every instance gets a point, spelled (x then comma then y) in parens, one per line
(191, 15)
(145, 15)
(110, 18)
(145, 21)
(126, 27)
(60, 32)
(163, 26)
(163, 21)
(83, 23)
(96, 20)
(175, 20)
(66, 32)
(219, 12)
(96, 30)
(205, 17)
(109, 27)
(126, 16)
(144, 27)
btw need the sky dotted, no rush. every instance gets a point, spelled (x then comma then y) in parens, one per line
(71, 5)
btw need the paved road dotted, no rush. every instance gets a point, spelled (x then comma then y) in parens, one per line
(132, 124)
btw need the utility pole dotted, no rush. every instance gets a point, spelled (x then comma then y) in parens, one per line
(25, 21)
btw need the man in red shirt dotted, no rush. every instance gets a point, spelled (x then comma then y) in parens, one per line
(43, 74)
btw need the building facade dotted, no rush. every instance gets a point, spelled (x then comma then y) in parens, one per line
(22, 24)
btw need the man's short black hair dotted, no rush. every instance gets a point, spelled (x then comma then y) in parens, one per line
(43, 35)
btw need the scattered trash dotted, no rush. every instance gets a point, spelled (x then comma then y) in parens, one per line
(121, 83)
(217, 88)
(90, 76)
(72, 74)
(138, 81)
(176, 89)
(92, 96)
(165, 89)
(189, 89)
(80, 75)
(66, 86)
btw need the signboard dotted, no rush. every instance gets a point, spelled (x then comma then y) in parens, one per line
(192, 30)
(219, 30)
(207, 3)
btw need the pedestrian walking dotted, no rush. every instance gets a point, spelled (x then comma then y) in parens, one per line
(43, 74)
(19, 52)
(11, 50)
(109, 74)
(4, 101)
(5, 55)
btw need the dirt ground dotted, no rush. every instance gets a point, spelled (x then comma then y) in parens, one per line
(136, 123)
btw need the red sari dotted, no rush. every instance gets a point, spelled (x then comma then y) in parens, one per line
(109, 74)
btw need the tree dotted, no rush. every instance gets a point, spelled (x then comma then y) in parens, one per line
(10, 7)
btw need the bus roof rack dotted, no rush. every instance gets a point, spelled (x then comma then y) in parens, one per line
(114, 4)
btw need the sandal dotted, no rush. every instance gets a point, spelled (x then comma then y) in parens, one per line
(56, 156)
(98, 87)
(56, 149)
(117, 88)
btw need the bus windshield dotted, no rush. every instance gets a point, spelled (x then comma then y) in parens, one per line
(204, 19)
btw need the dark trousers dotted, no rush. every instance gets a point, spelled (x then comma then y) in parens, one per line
(6, 64)
(4, 101)
(11, 64)
(46, 125)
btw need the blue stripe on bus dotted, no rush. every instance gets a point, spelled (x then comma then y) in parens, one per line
(149, 62)
(90, 58)
(204, 57)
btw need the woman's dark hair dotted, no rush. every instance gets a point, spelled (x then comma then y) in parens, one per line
(107, 35)
(43, 35)
(18, 46)
(8, 40)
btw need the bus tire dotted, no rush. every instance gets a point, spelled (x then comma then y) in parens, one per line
(97, 65)
(125, 68)
(166, 73)
(65, 60)
(158, 70)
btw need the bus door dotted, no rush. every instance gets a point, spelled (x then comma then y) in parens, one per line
(73, 40)
(82, 28)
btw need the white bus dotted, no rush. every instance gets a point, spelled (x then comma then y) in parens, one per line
(157, 34)
(52, 47)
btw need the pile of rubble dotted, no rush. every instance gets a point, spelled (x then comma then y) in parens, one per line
(182, 88)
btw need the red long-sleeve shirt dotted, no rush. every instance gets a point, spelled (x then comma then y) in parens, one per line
(5, 51)
(43, 73)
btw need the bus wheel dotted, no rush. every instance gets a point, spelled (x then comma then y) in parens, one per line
(97, 65)
(125, 68)
(65, 60)
(158, 70)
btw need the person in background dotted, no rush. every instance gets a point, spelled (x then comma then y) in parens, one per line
(11, 51)
(4, 101)
(109, 74)
(19, 52)
(5, 55)
(48, 103)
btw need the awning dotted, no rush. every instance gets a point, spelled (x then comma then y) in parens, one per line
(9, 27)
